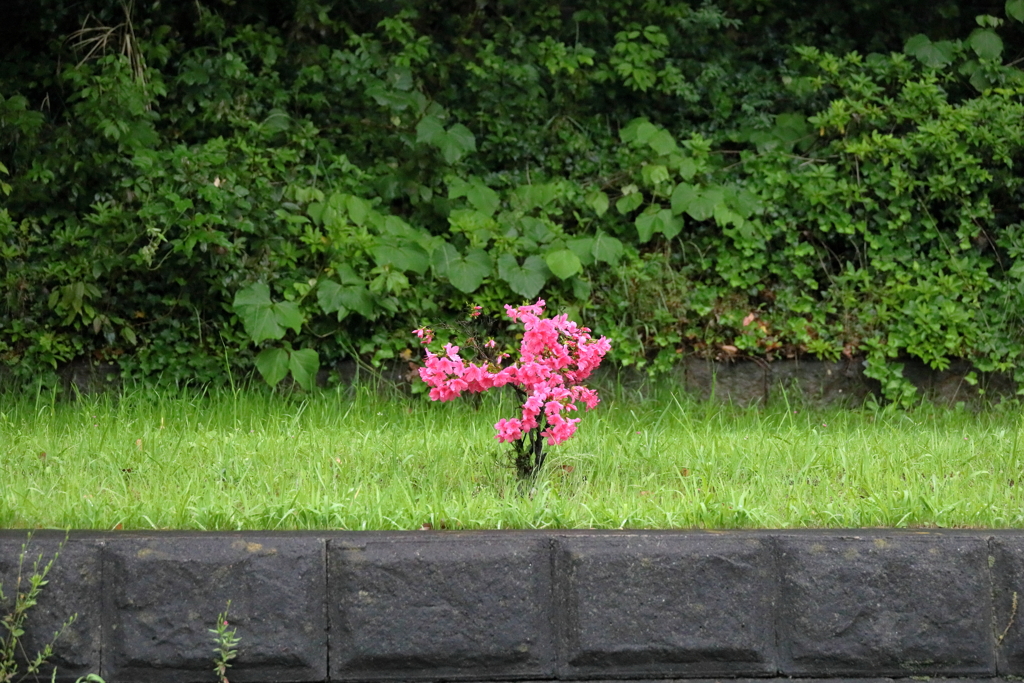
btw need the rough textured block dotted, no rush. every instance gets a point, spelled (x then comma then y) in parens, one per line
(663, 605)
(420, 605)
(1007, 562)
(741, 383)
(890, 603)
(163, 592)
(73, 590)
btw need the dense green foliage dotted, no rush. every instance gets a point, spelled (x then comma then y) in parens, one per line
(228, 186)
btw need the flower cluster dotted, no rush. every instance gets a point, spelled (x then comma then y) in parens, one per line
(555, 356)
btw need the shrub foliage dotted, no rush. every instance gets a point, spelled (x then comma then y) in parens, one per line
(280, 186)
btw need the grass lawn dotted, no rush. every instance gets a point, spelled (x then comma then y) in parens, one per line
(356, 459)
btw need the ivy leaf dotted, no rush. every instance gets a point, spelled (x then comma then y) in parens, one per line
(272, 365)
(304, 364)
(688, 167)
(607, 248)
(1015, 9)
(563, 263)
(406, 256)
(456, 142)
(928, 53)
(583, 247)
(469, 272)
(483, 198)
(525, 280)
(629, 202)
(986, 43)
(645, 225)
(429, 130)
(703, 206)
(662, 143)
(682, 197)
(334, 298)
(598, 201)
(262, 318)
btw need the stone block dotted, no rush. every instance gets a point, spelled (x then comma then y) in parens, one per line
(426, 606)
(818, 382)
(1007, 561)
(163, 592)
(665, 605)
(73, 590)
(743, 383)
(885, 604)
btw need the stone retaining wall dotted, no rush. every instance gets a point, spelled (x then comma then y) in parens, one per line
(532, 605)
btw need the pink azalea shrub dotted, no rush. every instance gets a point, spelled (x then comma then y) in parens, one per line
(555, 357)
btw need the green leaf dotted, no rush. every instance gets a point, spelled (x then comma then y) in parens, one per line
(669, 225)
(682, 197)
(607, 248)
(1015, 9)
(272, 365)
(629, 202)
(598, 201)
(256, 294)
(703, 206)
(429, 130)
(687, 168)
(288, 314)
(986, 43)
(563, 263)
(304, 364)
(629, 133)
(456, 142)
(583, 247)
(662, 142)
(466, 273)
(530, 196)
(536, 230)
(525, 280)
(645, 225)
(403, 255)
(357, 209)
(928, 53)
(442, 257)
(483, 198)
(261, 318)
(645, 132)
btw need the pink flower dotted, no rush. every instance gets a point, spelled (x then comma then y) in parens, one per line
(555, 356)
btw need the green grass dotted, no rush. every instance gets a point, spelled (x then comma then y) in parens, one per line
(358, 460)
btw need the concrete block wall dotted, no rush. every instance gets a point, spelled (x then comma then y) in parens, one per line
(531, 605)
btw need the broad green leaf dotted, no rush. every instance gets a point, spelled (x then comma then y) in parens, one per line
(607, 248)
(629, 202)
(669, 225)
(272, 365)
(360, 300)
(348, 276)
(986, 43)
(583, 247)
(645, 131)
(328, 295)
(456, 142)
(662, 142)
(530, 196)
(682, 197)
(747, 203)
(598, 200)
(645, 225)
(357, 209)
(404, 255)
(304, 365)
(563, 263)
(484, 199)
(525, 280)
(703, 207)
(288, 314)
(429, 130)
(654, 174)
(442, 258)
(468, 272)
(256, 294)
(629, 132)
(536, 230)
(1015, 9)
(687, 168)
